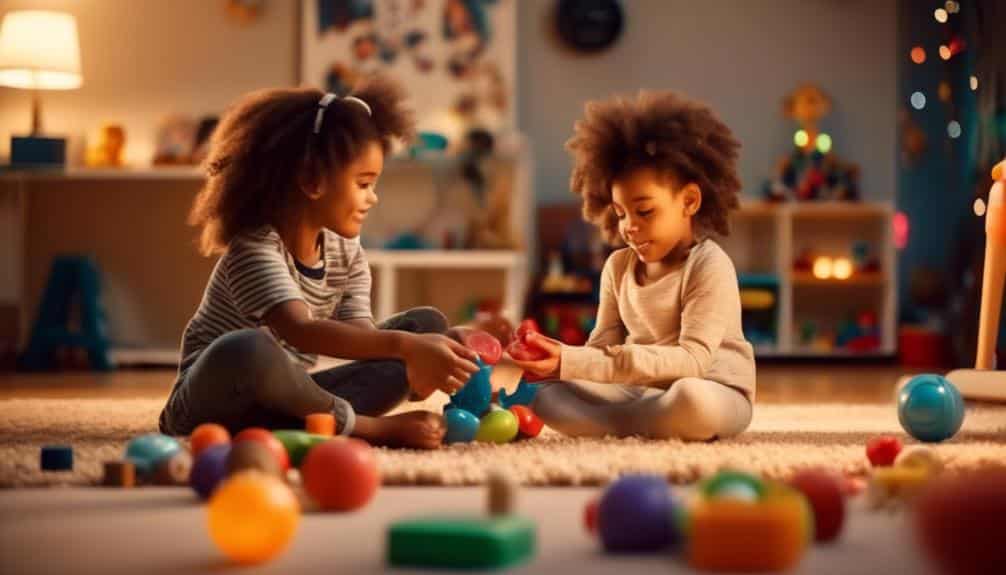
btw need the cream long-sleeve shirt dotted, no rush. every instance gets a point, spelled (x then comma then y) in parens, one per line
(685, 324)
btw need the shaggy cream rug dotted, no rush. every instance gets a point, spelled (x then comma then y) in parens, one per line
(781, 438)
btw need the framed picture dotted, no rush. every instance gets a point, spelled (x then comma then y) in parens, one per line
(456, 58)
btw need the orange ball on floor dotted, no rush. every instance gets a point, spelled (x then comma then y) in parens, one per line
(320, 423)
(206, 435)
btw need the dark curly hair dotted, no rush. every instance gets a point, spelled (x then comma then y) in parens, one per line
(265, 144)
(681, 139)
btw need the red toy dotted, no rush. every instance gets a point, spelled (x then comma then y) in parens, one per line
(341, 474)
(484, 344)
(590, 516)
(523, 350)
(206, 435)
(824, 491)
(528, 423)
(266, 438)
(882, 450)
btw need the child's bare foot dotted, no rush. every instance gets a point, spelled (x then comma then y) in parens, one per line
(414, 429)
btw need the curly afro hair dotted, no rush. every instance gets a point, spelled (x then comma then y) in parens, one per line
(266, 143)
(679, 138)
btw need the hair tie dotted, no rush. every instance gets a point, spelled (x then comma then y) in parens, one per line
(327, 99)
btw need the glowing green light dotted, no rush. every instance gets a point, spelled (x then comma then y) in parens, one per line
(823, 143)
(800, 138)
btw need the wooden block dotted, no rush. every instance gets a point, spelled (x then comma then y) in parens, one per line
(174, 470)
(502, 493)
(320, 424)
(119, 474)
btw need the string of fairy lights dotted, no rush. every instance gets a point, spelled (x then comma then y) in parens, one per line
(951, 48)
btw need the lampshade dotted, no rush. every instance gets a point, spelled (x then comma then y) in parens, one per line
(39, 50)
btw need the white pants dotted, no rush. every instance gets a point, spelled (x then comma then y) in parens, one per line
(691, 409)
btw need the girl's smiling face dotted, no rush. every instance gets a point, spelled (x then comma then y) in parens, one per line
(654, 215)
(342, 200)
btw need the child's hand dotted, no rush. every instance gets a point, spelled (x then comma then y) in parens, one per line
(550, 365)
(434, 361)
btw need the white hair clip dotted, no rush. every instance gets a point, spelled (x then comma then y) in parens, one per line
(327, 99)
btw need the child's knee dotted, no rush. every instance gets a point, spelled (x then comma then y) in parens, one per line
(691, 414)
(427, 319)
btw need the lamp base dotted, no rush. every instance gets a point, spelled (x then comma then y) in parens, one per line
(37, 152)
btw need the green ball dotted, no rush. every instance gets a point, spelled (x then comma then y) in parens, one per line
(146, 452)
(497, 427)
(733, 485)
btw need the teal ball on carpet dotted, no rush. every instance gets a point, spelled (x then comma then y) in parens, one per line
(930, 408)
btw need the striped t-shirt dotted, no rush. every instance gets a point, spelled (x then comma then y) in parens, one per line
(257, 272)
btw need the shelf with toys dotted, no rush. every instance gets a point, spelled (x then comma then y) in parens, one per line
(822, 274)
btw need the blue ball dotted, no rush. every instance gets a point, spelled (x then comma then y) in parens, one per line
(638, 513)
(147, 451)
(930, 408)
(209, 469)
(462, 425)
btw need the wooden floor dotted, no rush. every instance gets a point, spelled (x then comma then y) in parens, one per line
(777, 383)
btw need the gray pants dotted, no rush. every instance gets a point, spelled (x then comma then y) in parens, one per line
(245, 379)
(691, 409)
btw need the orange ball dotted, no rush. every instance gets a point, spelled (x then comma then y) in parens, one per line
(341, 474)
(206, 435)
(252, 517)
(321, 424)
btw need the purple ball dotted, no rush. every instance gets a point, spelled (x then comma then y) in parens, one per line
(210, 467)
(637, 513)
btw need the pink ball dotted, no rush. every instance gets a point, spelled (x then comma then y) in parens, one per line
(341, 474)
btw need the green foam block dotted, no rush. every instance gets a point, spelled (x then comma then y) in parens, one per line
(459, 542)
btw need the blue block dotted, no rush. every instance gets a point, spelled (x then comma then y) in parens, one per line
(57, 458)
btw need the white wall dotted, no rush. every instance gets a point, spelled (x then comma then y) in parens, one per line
(143, 60)
(739, 56)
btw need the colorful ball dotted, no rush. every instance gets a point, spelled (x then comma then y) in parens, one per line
(733, 485)
(930, 408)
(252, 455)
(341, 474)
(823, 490)
(528, 423)
(146, 452)
(637, 513)
(253, 517)
(462, 426)
(267, 439)
(497, 427)
(883, 450)
(209, 469)
(206, 435)
(959, 522)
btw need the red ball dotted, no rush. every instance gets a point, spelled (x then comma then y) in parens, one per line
(824, 491)
(341, 474)
(528, 423)
(266, 438)
(882, 450)
(590, 516)
(206, 435)
(959, 522)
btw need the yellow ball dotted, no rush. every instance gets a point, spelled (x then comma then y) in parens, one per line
(252, 517)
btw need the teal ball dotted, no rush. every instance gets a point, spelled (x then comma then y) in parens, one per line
(930, 408)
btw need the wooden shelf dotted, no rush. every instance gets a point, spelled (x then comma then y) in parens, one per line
(447, 259)
(856, 280)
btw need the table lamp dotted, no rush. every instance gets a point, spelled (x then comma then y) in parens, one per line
(39, 50)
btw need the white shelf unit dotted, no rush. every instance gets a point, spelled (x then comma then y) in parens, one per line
(118, 215)
(767, 238)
